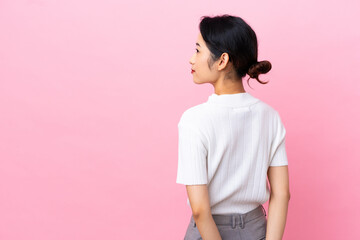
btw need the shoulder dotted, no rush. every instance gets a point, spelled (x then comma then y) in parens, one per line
(193, 116)
(269, 114)
(267, 109)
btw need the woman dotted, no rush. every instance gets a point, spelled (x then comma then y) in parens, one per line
(229, 145)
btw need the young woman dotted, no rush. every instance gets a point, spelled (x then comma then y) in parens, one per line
(231, 144)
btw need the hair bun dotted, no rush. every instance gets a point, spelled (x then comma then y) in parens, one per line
(258, 68)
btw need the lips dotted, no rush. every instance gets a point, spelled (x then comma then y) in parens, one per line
(192, 71)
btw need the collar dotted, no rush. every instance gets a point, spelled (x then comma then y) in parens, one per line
(232, 100)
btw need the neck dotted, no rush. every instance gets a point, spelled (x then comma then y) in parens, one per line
(228, 86)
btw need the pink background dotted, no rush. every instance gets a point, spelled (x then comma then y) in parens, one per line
(91, 93)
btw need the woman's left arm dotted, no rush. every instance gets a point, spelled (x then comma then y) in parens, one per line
(200, 206)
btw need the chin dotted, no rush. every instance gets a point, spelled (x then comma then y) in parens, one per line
(197, 81)
(200, 82)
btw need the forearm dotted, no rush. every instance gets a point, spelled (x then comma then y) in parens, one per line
(277, 212)
(207, 227)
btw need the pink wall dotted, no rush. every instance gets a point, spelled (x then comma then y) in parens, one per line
(91, 93)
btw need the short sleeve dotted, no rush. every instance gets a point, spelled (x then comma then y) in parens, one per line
(192, 157)
(278, 156)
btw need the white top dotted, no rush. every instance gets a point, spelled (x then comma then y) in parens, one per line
(228, 143)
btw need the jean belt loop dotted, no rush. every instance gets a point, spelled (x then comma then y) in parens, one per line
(242, 223)
(233, 221)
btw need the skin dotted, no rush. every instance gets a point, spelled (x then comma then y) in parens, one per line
(222, 76)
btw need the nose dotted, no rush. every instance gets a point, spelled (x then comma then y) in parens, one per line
(191, 61)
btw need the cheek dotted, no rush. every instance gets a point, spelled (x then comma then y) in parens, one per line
(203, 58)
(203, 62)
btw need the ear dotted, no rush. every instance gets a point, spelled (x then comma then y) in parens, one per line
(223, 61)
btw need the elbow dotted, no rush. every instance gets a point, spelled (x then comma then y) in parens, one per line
(198, 213)
(282, 195)
(287, 196)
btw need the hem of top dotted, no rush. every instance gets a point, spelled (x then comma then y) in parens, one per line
(279, 165)
(185, 183)
(213, 213)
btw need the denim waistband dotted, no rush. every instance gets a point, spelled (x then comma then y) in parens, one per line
(234, 219)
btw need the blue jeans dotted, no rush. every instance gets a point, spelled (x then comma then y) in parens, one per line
(246, 226)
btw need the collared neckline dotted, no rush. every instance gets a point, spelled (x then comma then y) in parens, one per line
(232, 100)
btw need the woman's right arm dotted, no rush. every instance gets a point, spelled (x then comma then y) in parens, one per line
(279, 200)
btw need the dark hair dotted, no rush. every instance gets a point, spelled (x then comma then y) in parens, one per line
(234, 36)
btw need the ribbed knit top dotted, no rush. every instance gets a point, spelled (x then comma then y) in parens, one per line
(228, 143)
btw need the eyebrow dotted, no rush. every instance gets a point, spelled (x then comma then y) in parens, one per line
(198, 44)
